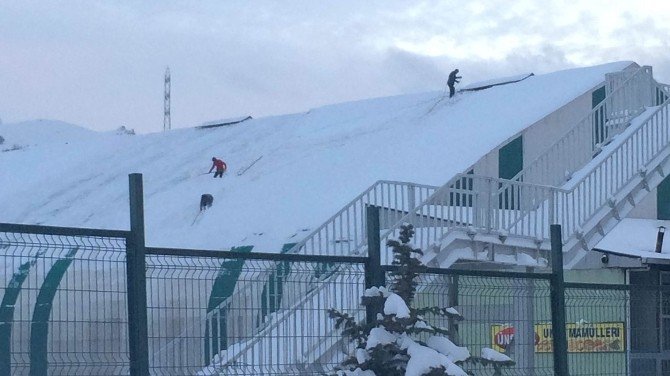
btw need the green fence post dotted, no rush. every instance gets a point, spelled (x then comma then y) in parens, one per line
(136, 282)
(559, 337)
(374, 274)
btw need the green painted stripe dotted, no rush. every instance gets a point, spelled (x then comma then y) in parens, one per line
(39, 327)
(7, 313)
(224, 286)
(273, 290)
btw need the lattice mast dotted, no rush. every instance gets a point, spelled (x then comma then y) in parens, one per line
(167, 122)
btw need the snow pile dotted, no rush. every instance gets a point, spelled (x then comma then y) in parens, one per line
(379, 336)
(444, 346)
(494, 356)
(394, 305)
(423, 358)
(375, 291)
(307, 166)
(453, 311)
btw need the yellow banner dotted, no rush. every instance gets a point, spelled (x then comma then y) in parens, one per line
(582, 338)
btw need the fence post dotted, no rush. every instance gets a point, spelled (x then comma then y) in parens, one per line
(560, 341)
(374, 274)
(136, 282)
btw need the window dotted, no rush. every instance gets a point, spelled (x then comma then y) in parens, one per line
(599, 119)
(510, 163)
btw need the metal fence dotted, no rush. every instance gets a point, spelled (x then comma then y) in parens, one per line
(98, 302)
(63, 308)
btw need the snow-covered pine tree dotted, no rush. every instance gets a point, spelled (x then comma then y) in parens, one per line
(392, 344)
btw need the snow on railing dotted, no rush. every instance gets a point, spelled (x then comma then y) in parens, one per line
(480, 204)
(610, 173)
(345, 232)
(607, 119)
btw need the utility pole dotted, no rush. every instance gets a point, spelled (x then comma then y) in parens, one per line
(167, 122)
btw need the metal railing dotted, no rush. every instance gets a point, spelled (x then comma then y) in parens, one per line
(607, 119)
(344, 233)
(608, 174)
(485, 204)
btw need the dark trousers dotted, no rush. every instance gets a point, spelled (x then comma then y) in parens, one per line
(218, 174)
(452, 91)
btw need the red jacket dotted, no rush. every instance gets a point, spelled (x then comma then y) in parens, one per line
(219, 164)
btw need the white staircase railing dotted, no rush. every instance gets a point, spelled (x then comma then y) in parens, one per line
(487, 205)
(632, 157)
(344, 233)
(607, 119)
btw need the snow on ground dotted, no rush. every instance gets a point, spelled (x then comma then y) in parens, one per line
(636, 237)
(312, 163)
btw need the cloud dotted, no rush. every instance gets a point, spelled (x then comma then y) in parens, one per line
(101, 63)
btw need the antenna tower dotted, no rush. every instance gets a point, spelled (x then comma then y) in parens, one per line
(167, 123)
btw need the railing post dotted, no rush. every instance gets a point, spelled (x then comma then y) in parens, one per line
(374, 274)
(411, 202)
(136, 282)
(552, 203)
(557, 292)
(491, 187)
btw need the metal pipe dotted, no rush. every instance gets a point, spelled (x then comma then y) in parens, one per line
(659, 239)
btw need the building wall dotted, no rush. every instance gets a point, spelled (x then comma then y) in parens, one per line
(646, 209)
(606, 276)
(540, 135)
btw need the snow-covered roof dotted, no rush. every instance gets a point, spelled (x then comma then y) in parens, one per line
(496, 82)
(636, 238)
(299, 169)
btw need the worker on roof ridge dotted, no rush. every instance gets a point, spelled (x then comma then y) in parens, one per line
(453, 79)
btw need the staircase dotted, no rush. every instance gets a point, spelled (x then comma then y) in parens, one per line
(587, 182)
(342, 234)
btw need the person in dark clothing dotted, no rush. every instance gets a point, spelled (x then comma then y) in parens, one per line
(453, 79)
(220, 167)
(206, 201)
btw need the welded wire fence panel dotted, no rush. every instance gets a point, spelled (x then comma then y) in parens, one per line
(499, 313)
(619, 329)
(597, 327)
(63, 305)
(247, 317)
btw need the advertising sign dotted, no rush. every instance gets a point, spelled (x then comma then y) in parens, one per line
(582, 338)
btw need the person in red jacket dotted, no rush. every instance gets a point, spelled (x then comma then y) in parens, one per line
(220, 167)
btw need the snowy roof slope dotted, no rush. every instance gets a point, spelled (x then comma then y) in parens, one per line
(312, 163)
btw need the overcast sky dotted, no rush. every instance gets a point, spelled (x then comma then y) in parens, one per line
(100, 64)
